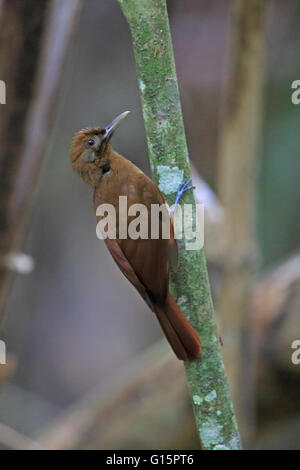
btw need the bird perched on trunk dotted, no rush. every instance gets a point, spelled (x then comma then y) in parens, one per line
(145, 262)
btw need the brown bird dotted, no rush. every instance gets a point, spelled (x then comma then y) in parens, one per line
(145, 262)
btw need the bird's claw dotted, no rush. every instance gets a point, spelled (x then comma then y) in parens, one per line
(183, 184)
(182, 188)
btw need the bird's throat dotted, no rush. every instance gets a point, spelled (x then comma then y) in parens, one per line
(106, 167)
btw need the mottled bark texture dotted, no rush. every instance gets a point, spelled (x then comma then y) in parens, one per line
(148, 22)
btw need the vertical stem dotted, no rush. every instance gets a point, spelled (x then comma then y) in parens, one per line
(149, 25)
(238, 150)
(33, 44)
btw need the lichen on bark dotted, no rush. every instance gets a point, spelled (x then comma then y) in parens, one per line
(149, 25)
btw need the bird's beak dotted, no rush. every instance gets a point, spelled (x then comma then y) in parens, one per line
(114, 124)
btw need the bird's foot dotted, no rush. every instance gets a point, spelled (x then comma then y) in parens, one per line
(182, 188)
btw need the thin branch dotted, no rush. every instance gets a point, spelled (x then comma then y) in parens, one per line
(113, 414)
(132, 395)
(33, 44)
(149, 25)
(239, 139)
(13, 440)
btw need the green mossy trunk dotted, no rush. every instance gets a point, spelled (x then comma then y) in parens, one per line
(149, 25)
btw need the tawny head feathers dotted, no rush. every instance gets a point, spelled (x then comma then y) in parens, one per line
(90, 150)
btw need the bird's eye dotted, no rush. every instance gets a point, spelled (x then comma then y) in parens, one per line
(91, 142)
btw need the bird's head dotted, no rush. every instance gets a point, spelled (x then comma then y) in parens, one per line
(90, 150)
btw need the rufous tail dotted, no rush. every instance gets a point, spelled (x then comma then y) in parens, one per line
(182, 337)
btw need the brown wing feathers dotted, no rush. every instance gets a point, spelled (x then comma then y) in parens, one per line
(145, 263)
(183, 339)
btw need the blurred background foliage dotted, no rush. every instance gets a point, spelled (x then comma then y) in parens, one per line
(74, 322)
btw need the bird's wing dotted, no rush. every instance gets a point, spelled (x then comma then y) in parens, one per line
(151, 258)
(126, 268)
(145, 262)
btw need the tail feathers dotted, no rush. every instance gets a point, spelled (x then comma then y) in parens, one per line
(182, 337)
